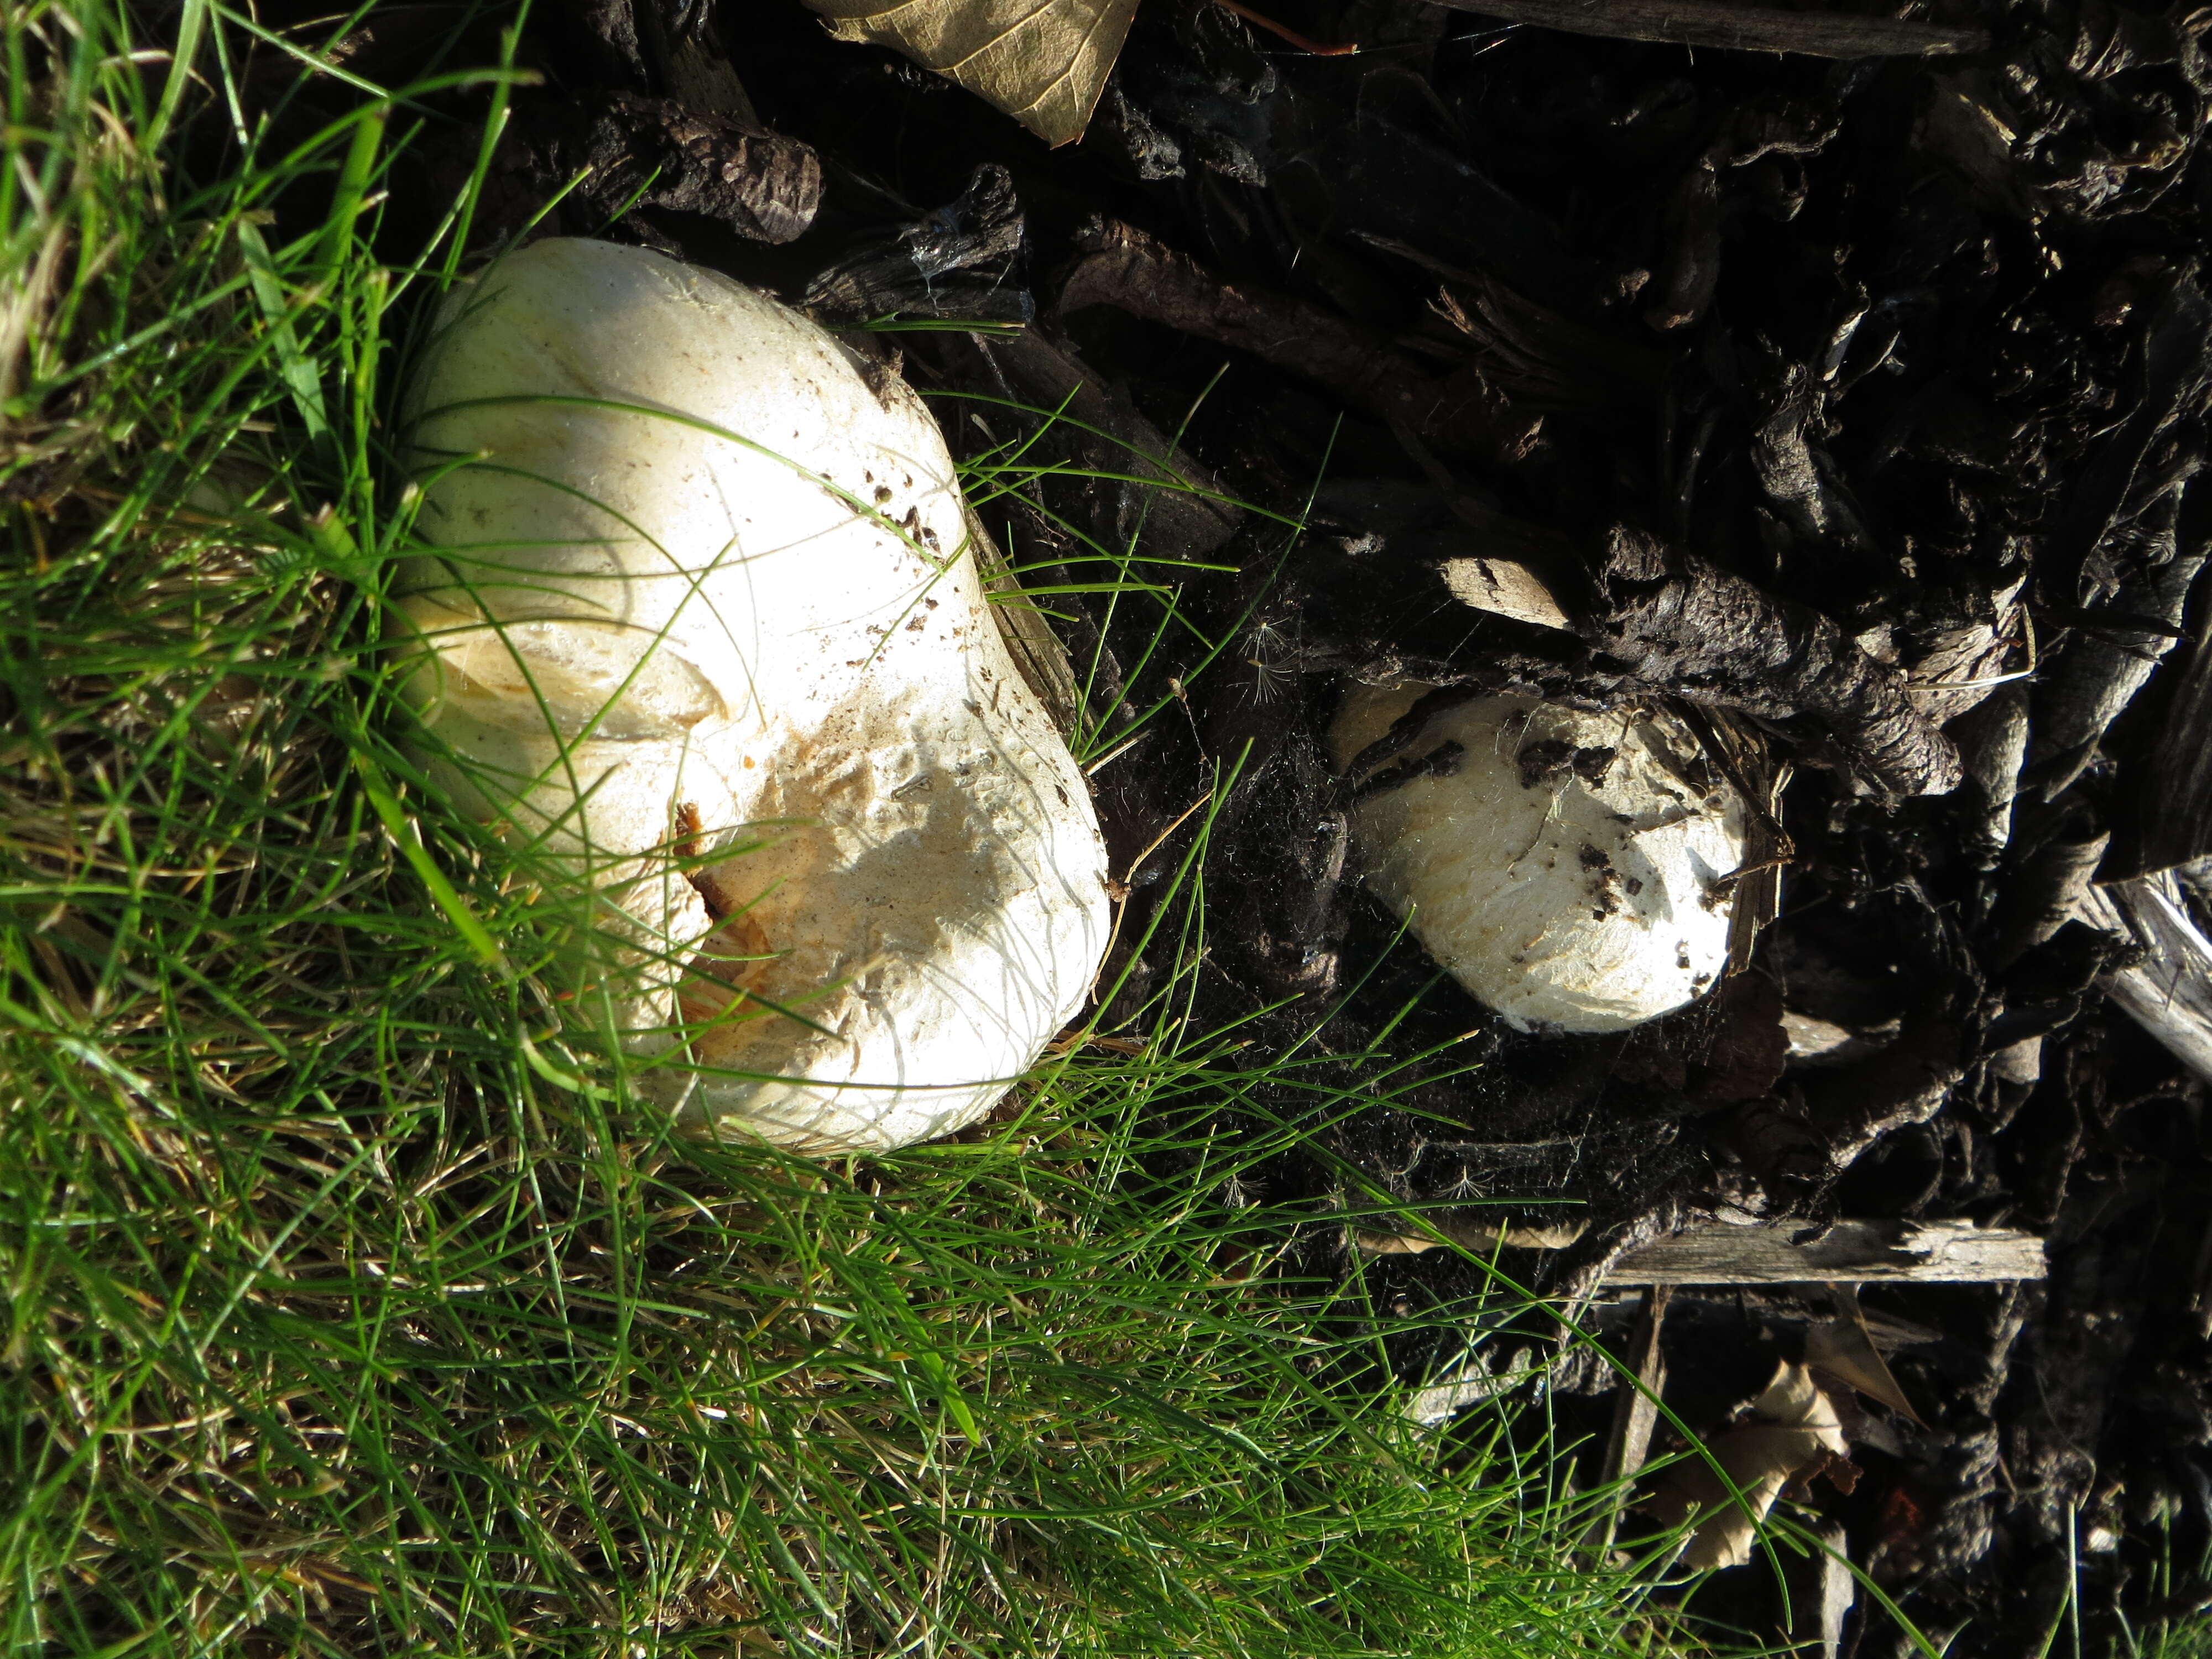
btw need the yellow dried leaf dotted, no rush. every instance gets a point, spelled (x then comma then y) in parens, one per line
(1043, 62)
(1843, 1349)
(1792, 1429)
(1473, 1232)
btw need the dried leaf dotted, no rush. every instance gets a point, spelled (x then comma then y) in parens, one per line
(1843, 1349)
(1475, 1234)
(1043, 62)
(1792, 1431)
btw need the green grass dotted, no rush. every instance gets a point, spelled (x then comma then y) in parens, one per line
(350, 1304)
(2166, 1615)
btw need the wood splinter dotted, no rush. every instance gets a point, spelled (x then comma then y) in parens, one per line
(1635, 1405)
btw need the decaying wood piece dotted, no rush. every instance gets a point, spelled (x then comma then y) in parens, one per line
(1822, 1593)
(1682, 625)
(1907, 1081)
(1505, 587)
(1635, 1405)
(2169, 992)
(2119, 647)
(1958, 669)
(1461, 413)
(1850, 1252)
(657, 152)
(952, 262)
(684, 50)
(612, 27)
(1677, 623)
(2045, 894)
(669, 126)
(2176, 798)
(1740, 29)
(1992, 742)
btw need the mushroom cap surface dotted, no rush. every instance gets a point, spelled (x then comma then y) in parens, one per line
(703, 626)
(1567, 868)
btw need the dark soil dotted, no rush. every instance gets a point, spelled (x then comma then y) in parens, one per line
(1856, 405)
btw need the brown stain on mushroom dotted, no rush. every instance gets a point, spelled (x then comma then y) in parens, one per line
(732, 962)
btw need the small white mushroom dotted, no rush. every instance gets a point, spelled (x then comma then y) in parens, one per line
(703, 625)
(1569, 868)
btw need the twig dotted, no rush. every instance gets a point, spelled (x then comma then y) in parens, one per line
(1290, 35)
(1635, 1407)
(1461, 412)
(1736, 28)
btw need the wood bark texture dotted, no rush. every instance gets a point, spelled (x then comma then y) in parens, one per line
(1851, 1252)
(2169, 992)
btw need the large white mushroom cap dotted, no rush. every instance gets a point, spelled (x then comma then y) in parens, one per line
(1569, 868)
(704, 626)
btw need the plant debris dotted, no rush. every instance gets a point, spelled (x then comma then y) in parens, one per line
(1791, 1434)
(1043, 63)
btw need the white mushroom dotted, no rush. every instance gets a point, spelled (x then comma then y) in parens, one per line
(703, 628)
(1569, 868)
